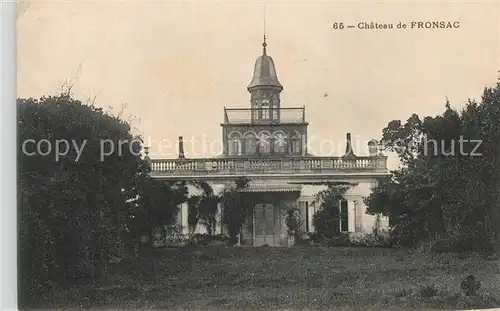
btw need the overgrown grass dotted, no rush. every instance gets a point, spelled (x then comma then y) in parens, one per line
(212, 278)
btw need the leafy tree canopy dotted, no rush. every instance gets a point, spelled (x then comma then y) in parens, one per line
(82, 199)
(448, 185)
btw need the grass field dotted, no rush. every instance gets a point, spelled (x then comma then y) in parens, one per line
(213, 278)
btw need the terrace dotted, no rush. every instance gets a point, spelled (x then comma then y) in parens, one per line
(264, 115)
(239, 166)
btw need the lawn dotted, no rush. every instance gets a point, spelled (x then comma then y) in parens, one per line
(213, 278)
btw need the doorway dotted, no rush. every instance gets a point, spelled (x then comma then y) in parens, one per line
(265, 224)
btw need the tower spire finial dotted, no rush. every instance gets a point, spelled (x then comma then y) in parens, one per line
(264, 44)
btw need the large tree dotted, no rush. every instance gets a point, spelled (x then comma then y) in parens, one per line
(75, 211)
(447, 187)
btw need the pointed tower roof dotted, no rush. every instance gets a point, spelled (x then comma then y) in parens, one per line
(264, 73)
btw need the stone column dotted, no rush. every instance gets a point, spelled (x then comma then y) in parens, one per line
(184, 218)
(304, 144)
(311, 211)
(218, 218)
(359, 208)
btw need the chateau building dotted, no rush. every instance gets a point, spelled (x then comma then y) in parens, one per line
(266, 142)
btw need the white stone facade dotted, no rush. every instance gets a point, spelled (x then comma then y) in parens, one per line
(358, 221)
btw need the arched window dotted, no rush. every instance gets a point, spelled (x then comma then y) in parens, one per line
(295, 143)
(280, 142)
(234, 144)
(264, 142)
(250, 144)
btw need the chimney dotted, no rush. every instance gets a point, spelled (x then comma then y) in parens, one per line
(146, 154)
(372, 148)
(348, 147)
(181, 148)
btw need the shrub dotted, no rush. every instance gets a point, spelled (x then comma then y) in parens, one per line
(342, 240)
(461, 244)
(327, 219)
(80, 214)
(314, 237)
(174, 235)
(73, 214)
(293, 224)
(235, 208)
(207, 209)
(372, 240)
(206, 239)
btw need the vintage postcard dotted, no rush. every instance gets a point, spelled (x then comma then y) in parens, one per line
(290, 155)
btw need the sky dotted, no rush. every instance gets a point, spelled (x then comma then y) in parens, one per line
(172, 67)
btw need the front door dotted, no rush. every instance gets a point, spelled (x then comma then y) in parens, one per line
(265, 224)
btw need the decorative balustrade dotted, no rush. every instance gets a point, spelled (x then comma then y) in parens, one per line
(207, 166)
(264, 115)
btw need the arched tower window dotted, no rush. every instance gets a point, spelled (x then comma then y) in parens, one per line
(295, 143)
(250, 144)
(264, 142)
(234, 143)
(280, 142)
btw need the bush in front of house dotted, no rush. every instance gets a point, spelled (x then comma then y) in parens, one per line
(236, 206)
(294, 225)
(343, 239)
(457, 244)
(326, 220)
(206, 239)
(372, 240)
(346, 239)
(315, 238)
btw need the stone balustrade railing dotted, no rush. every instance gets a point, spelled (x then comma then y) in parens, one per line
(290, 165)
